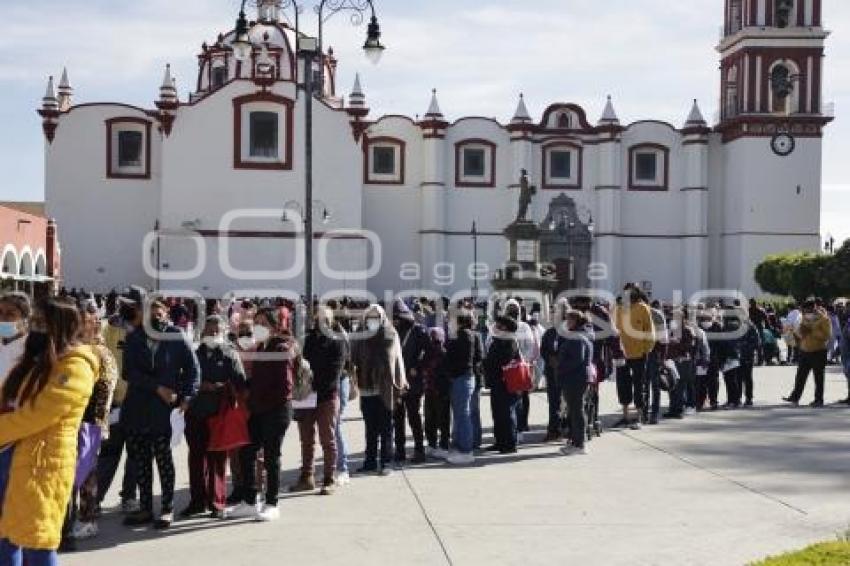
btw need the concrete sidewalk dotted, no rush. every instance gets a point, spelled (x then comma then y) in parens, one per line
(714, 489)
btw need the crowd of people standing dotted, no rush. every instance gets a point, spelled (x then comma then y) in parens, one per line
(85, 379)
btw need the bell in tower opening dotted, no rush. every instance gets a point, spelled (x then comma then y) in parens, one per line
(268, 10)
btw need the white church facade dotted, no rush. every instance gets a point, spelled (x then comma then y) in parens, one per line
(190, 194)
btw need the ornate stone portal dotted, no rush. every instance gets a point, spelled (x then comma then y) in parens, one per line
(566, 243)
(549, 257)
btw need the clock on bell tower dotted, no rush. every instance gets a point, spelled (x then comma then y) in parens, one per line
(771, 122)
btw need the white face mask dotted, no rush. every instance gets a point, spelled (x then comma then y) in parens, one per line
(8, 329)
(261, 333)
(246, 342)
(372, 325)
(706, 325)
(213, 342)
(811, 316)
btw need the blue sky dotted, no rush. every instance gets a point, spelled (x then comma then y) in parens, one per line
(652, 56)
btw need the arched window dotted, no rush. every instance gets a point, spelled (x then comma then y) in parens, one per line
(784, 95)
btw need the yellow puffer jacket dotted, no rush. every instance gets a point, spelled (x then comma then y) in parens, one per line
(637, 332)
(44, 462)
(814, 335)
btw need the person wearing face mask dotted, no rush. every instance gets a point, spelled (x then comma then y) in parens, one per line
(575, 354)
(813, 335)
(324, 350)
(708, 384)
(14, 314)
(378, 365)
(221, 373)
(81, 522)
(48, 391)
(504, 404)
(463, 353)
(115, 332)
(246, 347)
(162, 373)
(270, 403)
(414, 344)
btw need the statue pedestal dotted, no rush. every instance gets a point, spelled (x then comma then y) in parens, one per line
(523, 271)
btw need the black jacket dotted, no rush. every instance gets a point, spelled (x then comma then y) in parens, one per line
(463, 353)
(501, 352)
(326, 355)
(414, 343)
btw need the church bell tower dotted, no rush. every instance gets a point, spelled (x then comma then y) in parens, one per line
(771, 122)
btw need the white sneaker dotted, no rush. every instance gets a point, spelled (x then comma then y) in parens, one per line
(83, 531)
(268, 513)
(243, 511)
(580, 451)
(441, 454)
(429, 452)
(343, 478)
(460, 459)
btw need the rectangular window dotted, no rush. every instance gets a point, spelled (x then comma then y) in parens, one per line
(560, 164)
(129, 149)
(383, 160)
(264, 134)
(219, 76)
(646, 167)
(473, 162)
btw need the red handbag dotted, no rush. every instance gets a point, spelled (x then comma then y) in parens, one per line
(517, 377)
(229, 427)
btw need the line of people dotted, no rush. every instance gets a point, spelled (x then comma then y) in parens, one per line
(78, 391)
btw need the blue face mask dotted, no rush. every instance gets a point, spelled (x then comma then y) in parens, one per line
(8, 329)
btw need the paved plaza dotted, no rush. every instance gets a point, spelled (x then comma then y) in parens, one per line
(715, 489)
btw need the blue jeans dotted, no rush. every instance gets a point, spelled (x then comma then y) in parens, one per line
(341, 448)
(11, 555)
(463, 388)
(475, 410)
(653, 383)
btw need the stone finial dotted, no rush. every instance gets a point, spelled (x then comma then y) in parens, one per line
(609, 115)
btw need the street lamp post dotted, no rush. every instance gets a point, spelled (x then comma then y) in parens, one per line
(309, 48)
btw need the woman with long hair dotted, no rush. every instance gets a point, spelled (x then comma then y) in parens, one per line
(48, 391)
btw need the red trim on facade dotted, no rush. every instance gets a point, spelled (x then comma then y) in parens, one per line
(151, 113)
(665, 185)
(110, 126)
(768, 13)
(367, 159)
(238, 103)
(545, 150)
(801, 13)
(459, 163)
(753, 80)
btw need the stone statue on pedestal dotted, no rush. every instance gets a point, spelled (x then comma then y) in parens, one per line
(526, 193)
